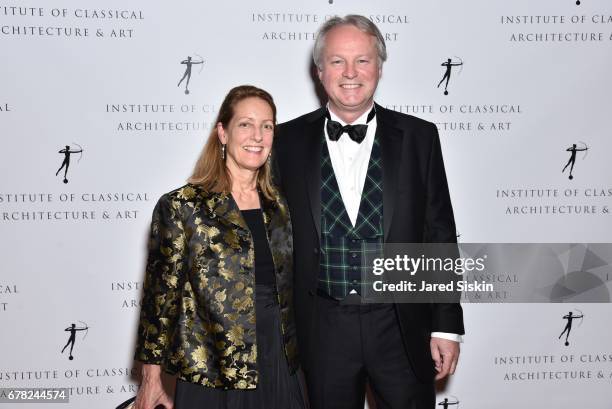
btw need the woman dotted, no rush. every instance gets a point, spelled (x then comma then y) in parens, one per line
(217, 306)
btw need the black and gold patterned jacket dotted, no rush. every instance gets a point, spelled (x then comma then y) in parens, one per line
(198, 310)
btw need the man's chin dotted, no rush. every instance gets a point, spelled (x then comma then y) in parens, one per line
(351, 106)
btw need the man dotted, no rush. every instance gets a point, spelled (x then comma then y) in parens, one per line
(349, 188)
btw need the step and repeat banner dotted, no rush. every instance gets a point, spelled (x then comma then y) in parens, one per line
(105, 105)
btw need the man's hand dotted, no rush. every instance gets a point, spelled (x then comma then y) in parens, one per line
(445, 354)
(151, 392)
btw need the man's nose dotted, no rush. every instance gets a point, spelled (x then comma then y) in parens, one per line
(349, 70)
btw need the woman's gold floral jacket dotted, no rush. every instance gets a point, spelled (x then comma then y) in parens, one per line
(198, 310)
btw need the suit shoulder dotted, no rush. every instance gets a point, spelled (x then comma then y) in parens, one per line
(287, 132)
(301, 120)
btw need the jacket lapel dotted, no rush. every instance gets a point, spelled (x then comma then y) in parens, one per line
(313, 139)
(224, 207)
(391, 151)
(279, 233)
(273, 214)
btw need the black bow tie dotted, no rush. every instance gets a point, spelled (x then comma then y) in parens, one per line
(355, 132)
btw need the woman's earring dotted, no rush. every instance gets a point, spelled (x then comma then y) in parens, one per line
(223, 151)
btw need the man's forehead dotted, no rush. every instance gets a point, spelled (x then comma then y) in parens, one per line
(354, 42)
(348, 32)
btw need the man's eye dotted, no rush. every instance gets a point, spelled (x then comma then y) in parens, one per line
(243, 124)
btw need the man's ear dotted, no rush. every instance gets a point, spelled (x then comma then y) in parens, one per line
(319, 73)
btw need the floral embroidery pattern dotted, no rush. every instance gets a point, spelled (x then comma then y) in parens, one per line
(198, 312)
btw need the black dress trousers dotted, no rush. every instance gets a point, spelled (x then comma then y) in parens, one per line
(276, 388)
(359, 344)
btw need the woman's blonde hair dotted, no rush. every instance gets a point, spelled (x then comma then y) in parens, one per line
(210, 171)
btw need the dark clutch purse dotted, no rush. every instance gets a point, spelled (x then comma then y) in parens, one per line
(128, 404)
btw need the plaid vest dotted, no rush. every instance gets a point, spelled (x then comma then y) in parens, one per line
(344, 247)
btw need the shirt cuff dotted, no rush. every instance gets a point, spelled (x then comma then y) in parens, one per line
(447, 335)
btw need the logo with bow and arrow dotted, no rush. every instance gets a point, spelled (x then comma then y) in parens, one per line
(449, 64)
(73, 329)
(67, 151)
(574, 149)
(570, 317)
(189, 62)
(446, 403)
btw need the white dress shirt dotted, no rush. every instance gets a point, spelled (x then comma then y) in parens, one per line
(350, 163)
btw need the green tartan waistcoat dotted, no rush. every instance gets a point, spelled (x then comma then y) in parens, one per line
(344, 246)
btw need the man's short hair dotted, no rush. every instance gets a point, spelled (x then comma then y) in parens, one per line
(362, 23)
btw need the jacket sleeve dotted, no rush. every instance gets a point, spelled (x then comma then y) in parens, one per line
(165, 267)
(439, 219)
(440, 228)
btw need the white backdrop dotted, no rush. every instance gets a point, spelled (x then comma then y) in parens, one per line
(102, 77)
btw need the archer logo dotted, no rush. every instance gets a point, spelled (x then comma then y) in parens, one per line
(446, 403)
(570, 317)
(73, 329)
(572, 159)
(189, 62)
(449, 64)
(67, 151)
(577, 2)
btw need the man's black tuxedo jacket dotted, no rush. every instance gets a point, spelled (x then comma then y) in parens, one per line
(416, 209)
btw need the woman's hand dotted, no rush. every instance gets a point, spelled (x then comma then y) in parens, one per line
(151, 392)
